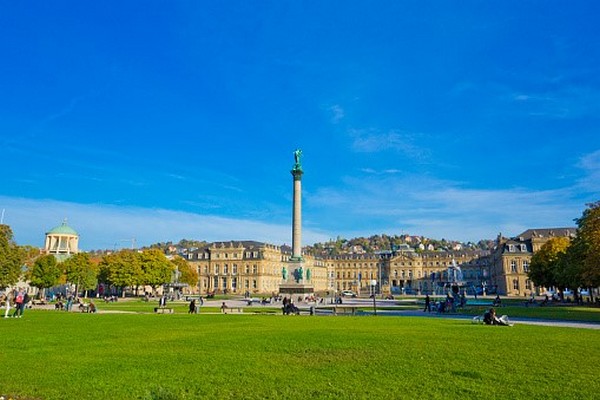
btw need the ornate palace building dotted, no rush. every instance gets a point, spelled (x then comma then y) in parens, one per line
(255, 267)
(512, 258)
(248, 266)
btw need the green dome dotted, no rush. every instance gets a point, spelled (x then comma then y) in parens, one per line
(63, 229)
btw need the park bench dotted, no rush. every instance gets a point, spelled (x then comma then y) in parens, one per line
(232, 310)
(38, 302)
(344, 310)
(163, 310)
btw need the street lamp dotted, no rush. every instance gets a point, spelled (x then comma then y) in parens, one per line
(373, 284)
(380, 265)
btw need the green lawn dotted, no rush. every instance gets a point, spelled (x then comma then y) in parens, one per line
(513, 310)
(53, 355)
(555, 312)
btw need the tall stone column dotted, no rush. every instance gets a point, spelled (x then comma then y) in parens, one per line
(295, 278)
(297, 214)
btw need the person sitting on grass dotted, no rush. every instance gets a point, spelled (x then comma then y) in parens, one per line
(92, 307)
(490, 318)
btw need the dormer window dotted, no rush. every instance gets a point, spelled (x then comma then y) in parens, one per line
(511, 248)
(523, 247)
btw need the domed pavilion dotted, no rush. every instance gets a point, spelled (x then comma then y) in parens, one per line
(62, 241)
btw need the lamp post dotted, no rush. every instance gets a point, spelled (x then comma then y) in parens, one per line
(380, 281)
(373, 285)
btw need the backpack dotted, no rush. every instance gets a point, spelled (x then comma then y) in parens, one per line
(19, 298)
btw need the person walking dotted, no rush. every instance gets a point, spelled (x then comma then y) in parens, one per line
(18, 303)
(427, 304)
(192, 309)
(6, 304)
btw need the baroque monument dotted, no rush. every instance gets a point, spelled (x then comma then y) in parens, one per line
(296, 279)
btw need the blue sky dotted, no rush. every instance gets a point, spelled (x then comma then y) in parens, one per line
(167, 120)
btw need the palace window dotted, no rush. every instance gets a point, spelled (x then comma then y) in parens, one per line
(247, 269)
(216, 269)
(515, 284)
(254, 269)
(513, 266)
(234, 269)
(206, 270)
(528, 284)
(234, 283)
(224, 282)
(254, 284)
(526, 266)
(225, 269)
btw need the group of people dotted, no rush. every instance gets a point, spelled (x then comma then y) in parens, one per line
(20, 298)
(449, 304)
(289, 307)
(194, 306)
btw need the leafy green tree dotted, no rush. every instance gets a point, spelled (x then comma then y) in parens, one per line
(156, 268)
(546, 263)
(45, 272)
(122, 269)
(585, 255)
(12, 258)
(81, 271)
(188, 274)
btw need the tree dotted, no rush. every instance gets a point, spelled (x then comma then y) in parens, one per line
(122, 269)
(188, 274)
(545, 264)
(11, 258)
(156, 268)
(586, 250)
(81, 271)
(45, 272)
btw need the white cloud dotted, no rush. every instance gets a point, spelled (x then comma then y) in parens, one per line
(338, 113)
(106, 226)
(441, 208)
(373, 141)
(590, 164)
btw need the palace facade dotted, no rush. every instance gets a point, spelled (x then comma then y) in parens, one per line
(256, 267)
(512, 258)
(249, 266)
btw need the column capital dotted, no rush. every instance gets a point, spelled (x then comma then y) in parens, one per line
(297, 173)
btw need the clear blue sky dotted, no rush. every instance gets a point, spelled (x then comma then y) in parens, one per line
(163, 120)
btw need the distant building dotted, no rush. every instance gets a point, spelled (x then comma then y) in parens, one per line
(512, 258)
(61, 241)
(249, 266)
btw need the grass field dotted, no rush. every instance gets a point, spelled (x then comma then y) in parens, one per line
(54, 355)
(514, 310)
